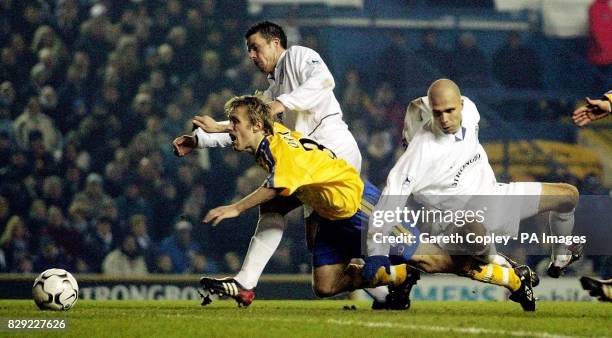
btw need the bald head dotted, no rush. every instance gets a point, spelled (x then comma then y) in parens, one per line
(443, 87)
(446, 105)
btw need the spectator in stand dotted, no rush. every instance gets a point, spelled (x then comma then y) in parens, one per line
(131, 202)
(201, 264)
(517, 66)
(100, 242)
(599, 52)
(209, 76)
(98, 133)
(38, 154)
(126, 260)
(196, 28)
(164, 264)
(180, 246)
(232, 262)
(8, 102)
(469, 65)
(353, 95)
(31, 119)
(9, 66)
(174, 122)
(72, 98)
(138, 226)
(49, 104)
(23, 54)
(185, 57)
(166, 203)
(77, 216)
(32, 17)
(161, 92)
(115, 176)
(15, 242)
(281, 261)
(385, 111)
(94, 36)
(430, 53)
(93, 195)
(68, 238)
(134, 121)
(53, 192)
(394, 61)
(49, 256)
(46, 37)
(37, 216)
(66, 21)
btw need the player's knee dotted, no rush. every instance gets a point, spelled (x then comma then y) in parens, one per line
(270, 220)
(569, 199)
(324, 290)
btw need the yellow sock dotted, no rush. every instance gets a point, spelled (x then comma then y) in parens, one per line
(396, 277)
(498, 275)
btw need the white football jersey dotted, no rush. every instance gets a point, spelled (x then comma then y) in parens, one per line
(435, 163)
(303, 83)
(436, 167)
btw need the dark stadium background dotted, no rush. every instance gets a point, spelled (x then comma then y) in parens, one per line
(93, 92)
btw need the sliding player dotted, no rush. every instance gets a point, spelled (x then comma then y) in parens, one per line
(304, 171)
(301, 87)
(444, 159)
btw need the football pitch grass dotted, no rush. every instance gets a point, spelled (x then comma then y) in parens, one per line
(314, 318)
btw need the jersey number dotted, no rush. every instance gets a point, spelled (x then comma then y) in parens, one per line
(309, 144)
(306, 143)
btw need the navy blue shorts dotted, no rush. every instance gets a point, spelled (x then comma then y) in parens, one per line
(337, 242)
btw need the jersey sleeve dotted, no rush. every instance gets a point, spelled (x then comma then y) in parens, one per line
(212, 140)
(417, 114)
(608, 96)
(316, 81)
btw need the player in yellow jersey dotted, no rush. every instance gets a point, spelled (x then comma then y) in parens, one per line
(302, 171)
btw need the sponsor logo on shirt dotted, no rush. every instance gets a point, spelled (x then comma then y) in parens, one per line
(463, 167)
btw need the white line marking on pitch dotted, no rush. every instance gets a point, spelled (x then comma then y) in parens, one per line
(469, 330)
(464, 330)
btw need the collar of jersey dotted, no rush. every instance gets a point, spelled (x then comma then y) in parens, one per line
(280, 58)
(460, 134)
(261, 148)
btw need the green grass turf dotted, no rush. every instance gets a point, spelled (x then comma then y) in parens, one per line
(316, 319)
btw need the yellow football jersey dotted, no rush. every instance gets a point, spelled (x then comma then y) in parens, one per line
(300, 166)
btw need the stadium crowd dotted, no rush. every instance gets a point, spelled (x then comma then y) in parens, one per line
(91, 95)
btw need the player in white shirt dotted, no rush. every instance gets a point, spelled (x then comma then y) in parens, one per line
(444, 159)
(302, 86)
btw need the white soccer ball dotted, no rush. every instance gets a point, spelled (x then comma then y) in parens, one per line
(55, 289)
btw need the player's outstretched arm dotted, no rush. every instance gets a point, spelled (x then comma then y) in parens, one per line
(257, 197)
(592, 111)
(207, 134)
(184, 145)
(209, 125)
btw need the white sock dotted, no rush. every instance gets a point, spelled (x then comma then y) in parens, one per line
(263, 244)
(493, 258)
(561, 224)
(379, 294)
